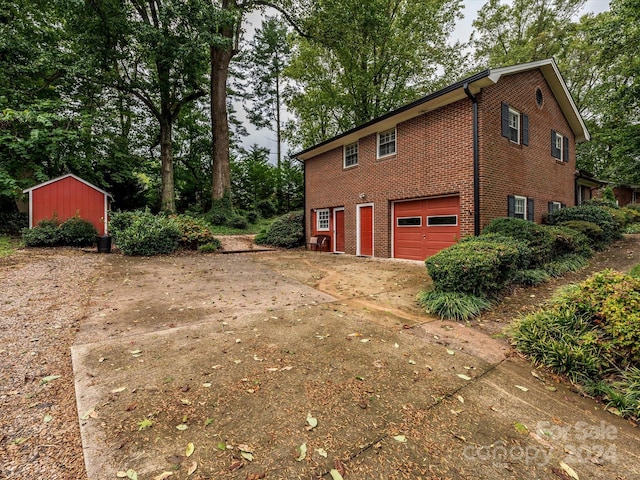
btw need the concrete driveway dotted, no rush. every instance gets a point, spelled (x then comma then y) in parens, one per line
(225, 366)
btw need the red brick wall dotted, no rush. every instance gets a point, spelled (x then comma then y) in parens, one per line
(530, 171)
(434, 156)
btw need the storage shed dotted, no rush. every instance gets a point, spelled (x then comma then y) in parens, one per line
(67, 196)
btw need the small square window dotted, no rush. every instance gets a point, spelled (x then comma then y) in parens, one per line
(387, 143)
(351, 155)
(322, 220)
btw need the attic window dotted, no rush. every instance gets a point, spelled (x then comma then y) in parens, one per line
(539, 98)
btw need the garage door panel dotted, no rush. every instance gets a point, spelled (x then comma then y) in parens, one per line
(420, 242)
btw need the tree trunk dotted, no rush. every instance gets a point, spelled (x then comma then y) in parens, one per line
(166, 157)
(220, 59)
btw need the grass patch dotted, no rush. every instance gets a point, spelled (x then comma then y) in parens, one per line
(452, 305)
(590, 333)
(565, 264)
(8, 245)
(530, 278)
(635, 271)
(632, 228)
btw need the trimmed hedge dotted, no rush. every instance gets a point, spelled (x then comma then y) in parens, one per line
(476, 266)
(589, 213)
(539, 238)
(286, 231)
(145, 234)
(193, 231)
(74, 232)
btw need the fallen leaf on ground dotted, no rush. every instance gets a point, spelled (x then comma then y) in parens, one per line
(339, 467)
(460, 398)
(400, 438)
(524, 389)
(322, 452)
(570, 471)
(311, 422)
(521, 428)
(190, 449)
(118, 390)
(335, 475)
(132, 475)
(49, 378)
(192, 468)
(451, 352)
(256, 476)
(464, 377)
(303, 452)
(247, 455)
(182, 427)
(163, 475)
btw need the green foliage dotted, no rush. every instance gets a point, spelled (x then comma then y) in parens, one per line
(476, 266)
(567, 241)
(78, 232)
(531, 277)
(609, 196)
(632, 228)
(452, 305)
(194, 231)
(142, 233)
(286, 231)
(568, 263)
(252, 216)
(45, 234)
(266, 207)
(7, 246)
(238, 221)
(211, 247)
(601, 216)
(591, 333)
(593, 232)
(12, 223)
(539, 238)
(253, 178)
(635, 271)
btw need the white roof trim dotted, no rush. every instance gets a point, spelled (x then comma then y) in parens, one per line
(40, 185)
(552, 74)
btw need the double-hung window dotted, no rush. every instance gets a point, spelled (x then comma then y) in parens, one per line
(387, 143)
(553, 206)
(515, 125)
(559, 146)
(350, 155)
(520, 207)
(322, 220)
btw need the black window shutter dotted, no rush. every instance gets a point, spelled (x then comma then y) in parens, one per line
(565, 147)
(555, 153)
(525, 129)
(550, 207)
(511, 206)
(530, 209)
(505, 119)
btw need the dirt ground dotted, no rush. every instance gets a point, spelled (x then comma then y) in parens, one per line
(240, 356)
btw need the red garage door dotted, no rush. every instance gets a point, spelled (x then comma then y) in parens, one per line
(422, 228)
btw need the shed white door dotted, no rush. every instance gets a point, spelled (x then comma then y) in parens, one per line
(422, 228)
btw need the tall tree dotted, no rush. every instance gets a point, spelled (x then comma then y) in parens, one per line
(522, 30)
(266, 59)
(153, 51)
(364, 58)
(253, 178)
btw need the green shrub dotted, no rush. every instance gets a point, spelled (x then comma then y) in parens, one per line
(212, 246)
(477, 266)
(568, 263)
(632, 228)
(539, 237)
(452, 305)
(524, 251)
(120, 221)
(589, 213)
(78, 232)
(567, 240)
(12, 223)
(591, 333)
(238, 221)
(147, 235)
(635, 271)
(286, 231)
(252, 216)
(45, 234)
(193, 231)
(266, 208)
(631, 215)
(531, 277)
(593, 232)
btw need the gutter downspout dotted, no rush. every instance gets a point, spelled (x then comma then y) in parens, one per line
(476, 162)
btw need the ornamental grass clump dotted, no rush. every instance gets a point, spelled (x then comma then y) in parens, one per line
(591, 333)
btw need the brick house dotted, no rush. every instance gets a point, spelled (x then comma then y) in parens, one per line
(417, 179)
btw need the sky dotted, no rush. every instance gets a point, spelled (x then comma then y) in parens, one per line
(462, 32)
